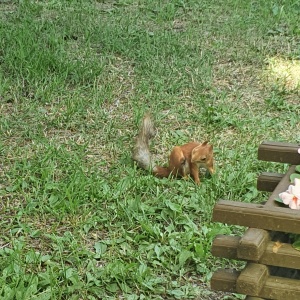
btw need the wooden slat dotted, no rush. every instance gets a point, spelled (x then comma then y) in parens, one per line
(225, 246)
(274, 287)
(253, 298)
(279, 152)
(257, 216)
(224, 280)
(252, 279)
(281, 288)
(281, 255)
(267, 182)
(253, 244)
(276, 254)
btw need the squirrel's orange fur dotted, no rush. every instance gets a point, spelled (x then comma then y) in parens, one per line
(183, 161)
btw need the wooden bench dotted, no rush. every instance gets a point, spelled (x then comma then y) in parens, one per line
(272, 264)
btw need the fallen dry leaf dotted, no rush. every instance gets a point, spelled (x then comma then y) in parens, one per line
(276, 246)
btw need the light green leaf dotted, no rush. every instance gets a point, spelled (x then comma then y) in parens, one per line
(69, 273)
(199, 250)
(35, 233)
(277, 199)
(297, 169)
(53, 200)
(46, 295)
(45, 258)
(32, 288)
(178, 294)
(133, 297)
(125, 288)
(100, 248)
(296, 245)
(157, 250)
(293, 176)
(113, 287)
(184, 256)
(173, 206)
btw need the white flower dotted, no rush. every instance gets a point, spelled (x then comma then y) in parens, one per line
(292, 196)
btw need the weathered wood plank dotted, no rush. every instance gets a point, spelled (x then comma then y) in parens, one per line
(275, 254)
(253, 298)
(257, 216)
(252, 279)
(279, 152)
(267, 182)
(274, 287)
(225, 246)
(253, 244)
(224, 280)
(281, 255)
(281, 288)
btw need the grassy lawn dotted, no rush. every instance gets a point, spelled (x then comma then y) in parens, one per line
(78, 219)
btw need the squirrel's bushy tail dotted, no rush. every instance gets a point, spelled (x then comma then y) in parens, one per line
(141, 152)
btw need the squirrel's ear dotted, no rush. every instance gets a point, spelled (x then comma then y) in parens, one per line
(196, 149)
(210, 146)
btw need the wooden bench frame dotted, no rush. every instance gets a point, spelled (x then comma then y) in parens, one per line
(272, 262)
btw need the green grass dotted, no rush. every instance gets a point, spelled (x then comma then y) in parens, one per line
(78, 220)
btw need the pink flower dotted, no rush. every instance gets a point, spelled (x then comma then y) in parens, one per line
(292, 196)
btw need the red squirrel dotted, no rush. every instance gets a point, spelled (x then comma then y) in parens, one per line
(183, 161)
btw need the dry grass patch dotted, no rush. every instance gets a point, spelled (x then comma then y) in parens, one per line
(284, 73)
